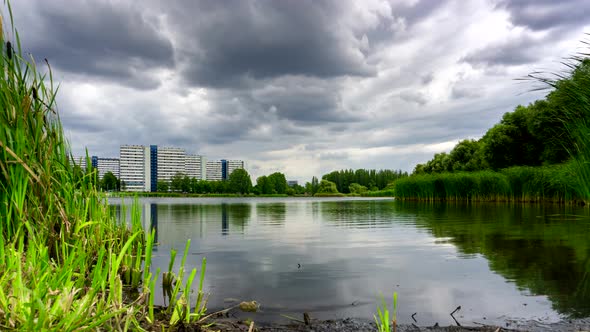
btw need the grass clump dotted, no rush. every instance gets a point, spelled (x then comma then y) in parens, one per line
(66, 262)
(386, 321)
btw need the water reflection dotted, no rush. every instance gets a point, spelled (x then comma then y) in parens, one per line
(321, 256)
(543, 249)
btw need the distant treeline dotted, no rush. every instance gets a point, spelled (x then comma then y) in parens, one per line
(371, 179)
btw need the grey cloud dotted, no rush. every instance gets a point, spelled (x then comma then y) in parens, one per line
(462, 91)
(511, 53)
(547, 14)
(111, 40)
(413, 97)
(228, 45)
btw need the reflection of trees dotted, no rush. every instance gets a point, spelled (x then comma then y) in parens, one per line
(271, 213)
(536, 247)
(357, 214)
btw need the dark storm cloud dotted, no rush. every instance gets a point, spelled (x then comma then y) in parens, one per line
(510, 53)
(547, 14)
(303, 103)
(106, 39)
(227, 43)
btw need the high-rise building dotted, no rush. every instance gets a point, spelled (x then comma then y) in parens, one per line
(214, 170)
(135, 167)
(196, 167)
(170, 162)
(79, 161)
(232, 165)
(105, 165)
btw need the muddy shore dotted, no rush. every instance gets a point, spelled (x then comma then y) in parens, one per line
(357, 325)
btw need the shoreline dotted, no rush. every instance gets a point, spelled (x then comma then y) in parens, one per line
(361, 325)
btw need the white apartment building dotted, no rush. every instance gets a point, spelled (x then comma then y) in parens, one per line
(232, 165)
(134, 167)
(79, 161)
(105, 165)
(213, 172)
(196, 166)
(170, 161)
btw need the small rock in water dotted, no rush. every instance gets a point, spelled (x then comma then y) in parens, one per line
(251, 306)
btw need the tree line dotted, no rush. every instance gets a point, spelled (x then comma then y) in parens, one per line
(356, 181)
(533, 135)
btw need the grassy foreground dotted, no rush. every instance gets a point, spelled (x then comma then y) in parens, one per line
(66, 263)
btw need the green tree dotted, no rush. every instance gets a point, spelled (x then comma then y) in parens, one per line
(356, 188)
(279, 182)
(327, 187)
(109, 182)
(162, 186)
(240, 182)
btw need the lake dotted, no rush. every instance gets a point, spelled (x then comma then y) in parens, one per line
(335, 258)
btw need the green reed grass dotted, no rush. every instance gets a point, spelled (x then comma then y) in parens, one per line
(517, 184)
(66, 262)
(386, 321)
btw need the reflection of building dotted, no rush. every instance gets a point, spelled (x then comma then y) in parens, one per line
(224, 221)
(105, 165)
(196, 166)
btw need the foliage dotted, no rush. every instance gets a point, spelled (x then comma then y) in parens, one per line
(275, 183)
(110, 182)
(240, 182)
(540, 133)
(65, 258)
(385, 322)
(367, 178)
(356, 188)
(327, 187)
(521, 183)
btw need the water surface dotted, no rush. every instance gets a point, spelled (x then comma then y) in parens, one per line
(334, 258)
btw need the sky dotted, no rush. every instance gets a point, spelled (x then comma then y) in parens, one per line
(297, 86)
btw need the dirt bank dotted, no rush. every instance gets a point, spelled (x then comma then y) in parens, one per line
(356, 325)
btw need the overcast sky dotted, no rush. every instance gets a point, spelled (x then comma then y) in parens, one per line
(298, 86)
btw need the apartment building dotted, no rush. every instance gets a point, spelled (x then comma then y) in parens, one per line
(214, 170)
(135, 167)
(196, 166)
(105, 165)
(170, 161)
(232, 165)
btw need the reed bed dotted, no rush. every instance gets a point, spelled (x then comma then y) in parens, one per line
(66, 262)
(516, 184)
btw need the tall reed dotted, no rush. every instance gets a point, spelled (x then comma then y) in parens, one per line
(518, 184)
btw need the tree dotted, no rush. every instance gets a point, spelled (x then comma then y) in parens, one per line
(314, 185)
(356, 188)
(162, 186)
(279, 182)
(177, 182)
(240, 182)
(327, 187)
(109, 182)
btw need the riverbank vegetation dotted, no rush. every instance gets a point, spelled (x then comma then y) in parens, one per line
(539, 152)
(67, 263)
